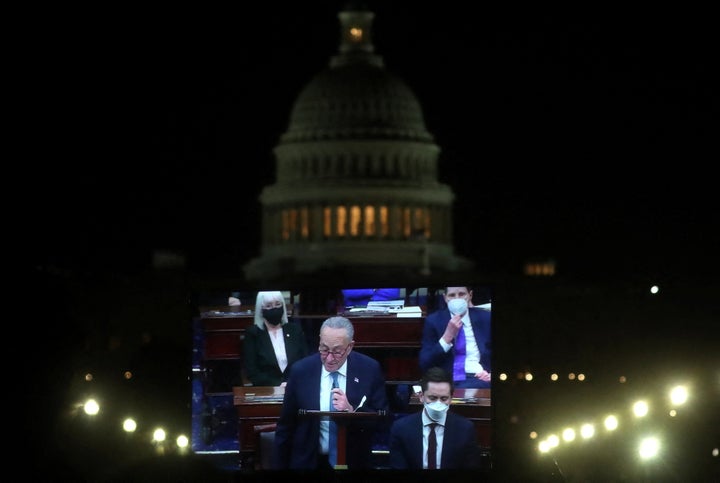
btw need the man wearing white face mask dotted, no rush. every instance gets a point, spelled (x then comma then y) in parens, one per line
(434, 438)
(457, 338)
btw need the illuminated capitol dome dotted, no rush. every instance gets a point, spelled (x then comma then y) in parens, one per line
(356, 188)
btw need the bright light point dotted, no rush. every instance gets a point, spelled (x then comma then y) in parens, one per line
(159, 435)
(716, 452)
(553, 440)
(533, 435)
(91, 407)
(503, 377)
(649, 448)
(88, 377)
(544, 446)
(528, 377)
(571, 376)
(554, 377)
(568, 434)
(679, 395)
(640, 409)
(587, 431)
(127, 375)
(611, 423)
(182, 441)
(654, 289)
(581, 377)
(672, 413)
(622, 379)
(129, 425)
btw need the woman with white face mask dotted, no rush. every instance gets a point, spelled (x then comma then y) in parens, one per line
(434, 438)
(457, 338)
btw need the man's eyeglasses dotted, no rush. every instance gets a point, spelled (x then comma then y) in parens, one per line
(324, 351)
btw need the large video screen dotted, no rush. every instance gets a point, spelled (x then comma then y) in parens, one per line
(240, 376)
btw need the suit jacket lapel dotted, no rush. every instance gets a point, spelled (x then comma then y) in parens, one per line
(417, 438)
(351, 387)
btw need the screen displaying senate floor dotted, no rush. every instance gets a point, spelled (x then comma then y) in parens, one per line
(240, 374)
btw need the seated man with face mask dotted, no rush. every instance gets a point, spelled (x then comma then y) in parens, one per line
(457, 338)
(434, 438)
(272, 344)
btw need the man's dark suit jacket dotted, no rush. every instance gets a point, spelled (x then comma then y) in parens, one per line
(460, 449)
(432, 353)
(297, 437)
(260, 364)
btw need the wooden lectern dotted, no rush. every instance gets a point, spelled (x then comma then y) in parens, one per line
(342, 418)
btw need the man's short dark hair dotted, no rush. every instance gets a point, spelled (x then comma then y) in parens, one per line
(436, 374)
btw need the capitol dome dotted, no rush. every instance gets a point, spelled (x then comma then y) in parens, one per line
(357, 185)
(359, 100)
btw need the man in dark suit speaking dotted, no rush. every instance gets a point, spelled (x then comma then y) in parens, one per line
(434, 438)
(334, 379)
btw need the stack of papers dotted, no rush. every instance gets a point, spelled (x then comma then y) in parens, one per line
(386, 305)
(412, 311)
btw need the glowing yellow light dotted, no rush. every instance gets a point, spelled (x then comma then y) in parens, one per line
(127, 375)
(654, 289)
(528, 377)
(571, 376)
(611, 423)
(182, 441)
(88, 377)
(678, 395)
(544, 446)
(581, 377)
(568, 434)
(356, 34)
(503, 376)
(91, 407)
(129, 425)
(649, 448)
(640, 409)
(533, 435)
(159, 435)
(587, 431)
(554, 377)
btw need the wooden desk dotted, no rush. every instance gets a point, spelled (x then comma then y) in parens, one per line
(223, 336)
(255, 405)
(261, 405)
(394, 342)
(474, 404)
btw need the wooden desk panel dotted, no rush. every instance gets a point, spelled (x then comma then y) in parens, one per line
(261, 405)
(223, 336)
(394, 342)
(255, 405)
(387, 331)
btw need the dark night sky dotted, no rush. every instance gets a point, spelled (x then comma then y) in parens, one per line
(579, 134)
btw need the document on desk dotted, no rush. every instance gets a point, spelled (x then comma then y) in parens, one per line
(386, 305)
(411, 311)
